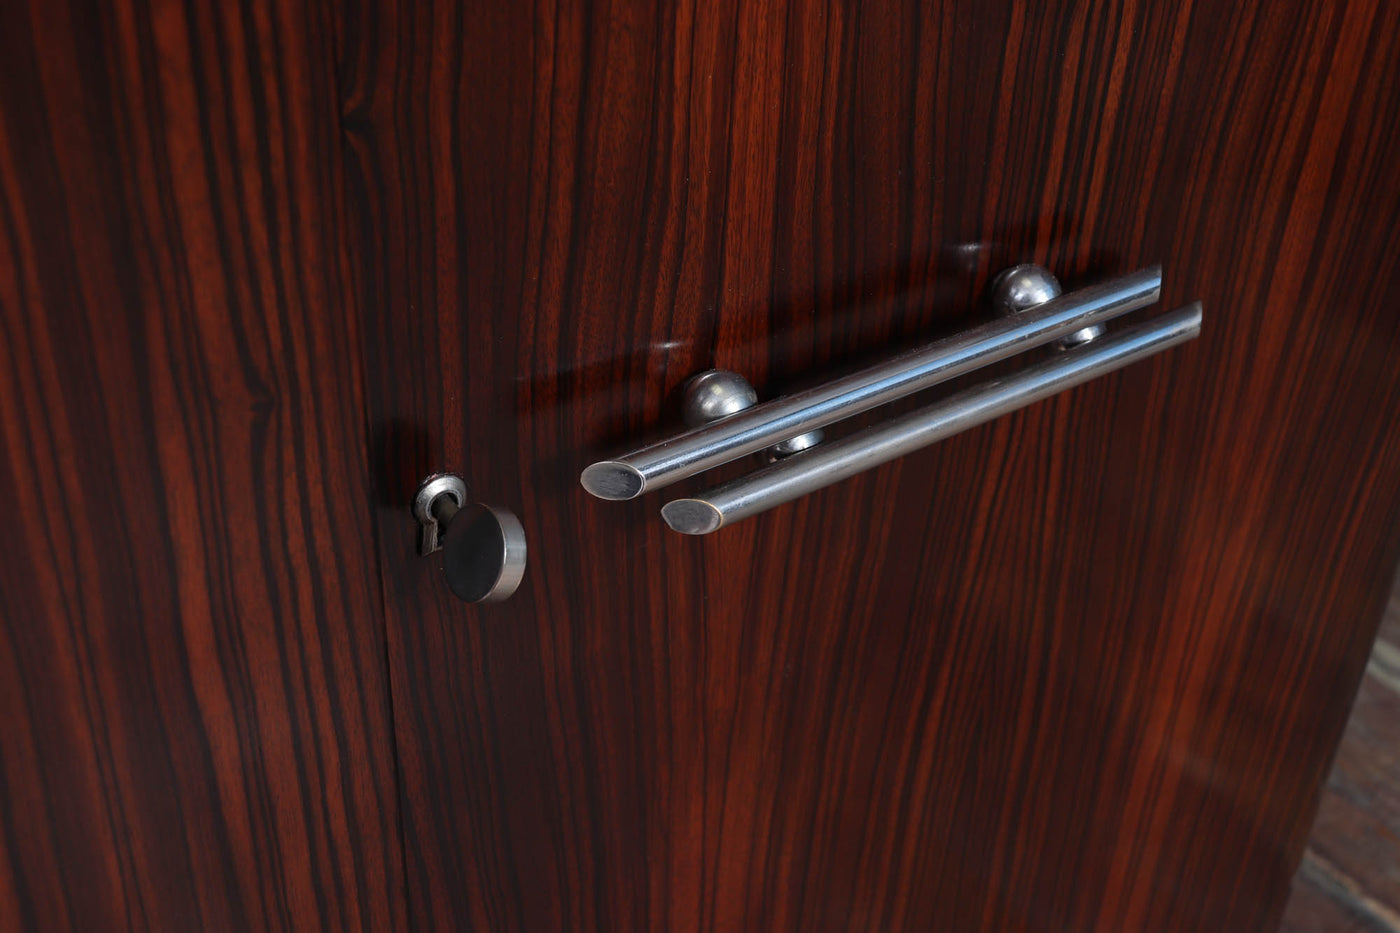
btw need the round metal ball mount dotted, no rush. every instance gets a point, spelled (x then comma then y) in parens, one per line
(1023, 287)
(719, 393)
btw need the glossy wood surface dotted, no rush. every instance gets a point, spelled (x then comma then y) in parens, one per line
(262, 266)
(194, 709)
(1082, 668)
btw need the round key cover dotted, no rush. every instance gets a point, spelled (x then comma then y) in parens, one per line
(484, 553)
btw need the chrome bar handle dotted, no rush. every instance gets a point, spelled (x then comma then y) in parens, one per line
(834, 461)
(771, 423)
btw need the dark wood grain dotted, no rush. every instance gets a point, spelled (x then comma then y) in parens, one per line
(1082, 668)
(194, 709)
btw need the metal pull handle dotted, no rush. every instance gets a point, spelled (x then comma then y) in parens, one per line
(1042, 316)
(815, 469)
(770, 423)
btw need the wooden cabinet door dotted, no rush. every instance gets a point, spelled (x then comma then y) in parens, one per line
(195, 726)
(265, 265)
(1080, 668)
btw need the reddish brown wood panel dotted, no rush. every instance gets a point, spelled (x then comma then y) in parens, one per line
(1082, 668)
(194, 713)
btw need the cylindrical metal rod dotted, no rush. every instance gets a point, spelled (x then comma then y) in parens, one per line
(837, 460)
(764, 425)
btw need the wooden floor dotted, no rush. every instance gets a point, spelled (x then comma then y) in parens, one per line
(1350, 877)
